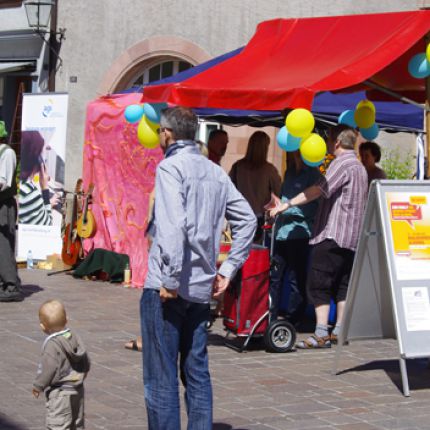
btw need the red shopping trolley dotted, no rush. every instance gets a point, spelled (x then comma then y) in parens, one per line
(247, 303)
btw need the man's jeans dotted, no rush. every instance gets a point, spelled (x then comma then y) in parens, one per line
(171, 329)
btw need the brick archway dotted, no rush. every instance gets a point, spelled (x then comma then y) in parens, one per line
(142, 54)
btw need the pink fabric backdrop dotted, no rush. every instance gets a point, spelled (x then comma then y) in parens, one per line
(123, 173)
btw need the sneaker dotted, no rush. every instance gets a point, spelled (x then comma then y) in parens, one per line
(11, 293)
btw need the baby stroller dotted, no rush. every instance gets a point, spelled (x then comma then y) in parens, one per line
(247, 301)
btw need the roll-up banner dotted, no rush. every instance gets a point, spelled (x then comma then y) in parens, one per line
(41, 174)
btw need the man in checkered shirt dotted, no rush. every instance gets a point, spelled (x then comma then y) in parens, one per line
(343, 193)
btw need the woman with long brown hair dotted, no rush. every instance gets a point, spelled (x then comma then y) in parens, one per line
(34, 200)
(255, 177)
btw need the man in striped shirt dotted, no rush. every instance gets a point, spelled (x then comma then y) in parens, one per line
(343, 193)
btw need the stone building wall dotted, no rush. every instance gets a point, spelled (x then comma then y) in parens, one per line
(106, 39)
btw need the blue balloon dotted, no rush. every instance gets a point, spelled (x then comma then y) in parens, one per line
(287, 141)
(371, 132)
(347, 118)
(311, 164)
(153, 111)
(419, 66)
(133, 113)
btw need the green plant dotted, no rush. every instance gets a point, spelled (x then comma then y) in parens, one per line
(398, 165)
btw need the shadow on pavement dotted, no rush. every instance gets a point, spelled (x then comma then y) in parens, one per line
(255, 344)
(27, 291)
(5, 424)
(215, 339)
(417, 372)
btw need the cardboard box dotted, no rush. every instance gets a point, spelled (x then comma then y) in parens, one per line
(56, 262)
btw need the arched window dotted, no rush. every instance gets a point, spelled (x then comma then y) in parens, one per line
(149, 60)
(158, 70)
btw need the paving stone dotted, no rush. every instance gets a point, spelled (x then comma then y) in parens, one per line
(337, 418)
(306, 406)
(361, 426)
(253, 390)
(298, 425)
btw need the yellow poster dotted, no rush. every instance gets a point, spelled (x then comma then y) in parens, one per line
(410, 229)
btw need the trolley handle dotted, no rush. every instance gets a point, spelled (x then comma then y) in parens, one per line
(275, 201)
(270, 227)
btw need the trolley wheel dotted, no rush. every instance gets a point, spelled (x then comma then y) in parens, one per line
(280, 336)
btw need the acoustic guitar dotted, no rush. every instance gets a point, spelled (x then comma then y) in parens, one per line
(86, 224)
(71, 250)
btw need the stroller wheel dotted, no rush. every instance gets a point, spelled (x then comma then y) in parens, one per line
(280, 336)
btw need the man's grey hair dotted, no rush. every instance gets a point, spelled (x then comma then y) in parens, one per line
(345, 134)
(181, 121)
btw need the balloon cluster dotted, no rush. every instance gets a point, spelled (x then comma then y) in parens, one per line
(297, 134)
(148, 117)
(362, 117)
(419, 64)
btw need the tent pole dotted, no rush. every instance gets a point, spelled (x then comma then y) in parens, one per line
(395, 95)
(427, 117)
(427, 120)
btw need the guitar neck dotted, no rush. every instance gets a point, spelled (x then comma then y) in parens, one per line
(85, 210)
(74, 216)
(87, 198)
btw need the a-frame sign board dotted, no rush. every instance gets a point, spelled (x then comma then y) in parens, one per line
(388, 295)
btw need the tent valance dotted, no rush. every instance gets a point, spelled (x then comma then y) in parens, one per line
(288, 61)
(9, 67)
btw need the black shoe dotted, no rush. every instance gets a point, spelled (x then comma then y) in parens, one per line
(11, 293)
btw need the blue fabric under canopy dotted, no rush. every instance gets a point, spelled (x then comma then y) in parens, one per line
(327, 106)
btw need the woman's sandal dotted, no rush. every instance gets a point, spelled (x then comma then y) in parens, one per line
(315, 342)
(133, 346)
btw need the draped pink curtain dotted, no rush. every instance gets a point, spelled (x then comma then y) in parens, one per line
(123, 173)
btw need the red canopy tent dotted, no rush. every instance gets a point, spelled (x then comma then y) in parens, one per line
(289, 60)
(283, 66)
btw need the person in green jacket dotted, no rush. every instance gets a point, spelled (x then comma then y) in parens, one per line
(293, 229)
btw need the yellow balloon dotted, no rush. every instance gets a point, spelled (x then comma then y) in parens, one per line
(364, 117)
(366, 103)
(155, 126)
(300, 122)
(313, 148)
(147, 133)
(428, 52)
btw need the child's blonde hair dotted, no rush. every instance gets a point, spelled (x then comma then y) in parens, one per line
(52, 315)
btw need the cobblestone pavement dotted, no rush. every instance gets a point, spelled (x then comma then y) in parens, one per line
(253, 390)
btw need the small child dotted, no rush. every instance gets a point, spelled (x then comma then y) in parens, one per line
(62, 370)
